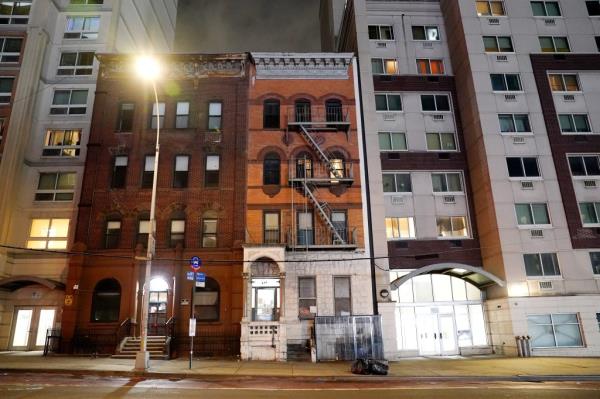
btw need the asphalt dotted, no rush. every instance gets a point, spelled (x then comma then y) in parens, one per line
(492, 368)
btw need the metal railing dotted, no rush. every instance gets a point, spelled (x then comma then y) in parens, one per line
(318, 114)
(317, 172)
(53, 341)
(320, 237)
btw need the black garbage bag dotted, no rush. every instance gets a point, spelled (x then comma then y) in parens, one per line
(360, 366)
(378, 367)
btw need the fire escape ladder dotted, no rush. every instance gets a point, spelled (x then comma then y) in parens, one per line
(335, 173)
(323, 210)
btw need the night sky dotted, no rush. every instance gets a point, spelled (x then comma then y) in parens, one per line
(212, 26)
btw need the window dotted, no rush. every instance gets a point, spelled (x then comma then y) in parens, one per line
(585, 165)
(206, 301)
(126, 112)
(384, 66)
(595, 260)
(302, 110)
(564, 82)
(57, 186)
(215, 111)
(112, 234)
(180, 174)
(62, 143)
(539, 265)
(397, 183)
(304, 166)
(271, 114)
(148, 174)
(143, 232)
(106, 301)
(182, 116)
(532, 214)
(381, 32)
(82, 28)
(177, 233)
(590, 213)
(158, 113)
(554, 330)
(48, 234)
(388, 102)
(522, 167)
(333, 111)
(452, 226)
(490, 8)
(426, 66)
(76, 63)
(446, 182)
(10, 49)
(119, 172)
(440, 142)
(271, 226)
(574, 123)
(597, 39)
(435, 102)
(545, 9)
(505, 82)
(305, 233)
(209, 232)
(6, 87)
(341, 296)
(307, 297)
(271, 169)
(399, 228)
(211, 171)
(15, 12)
(337, 169)
(339, 219)
(392, 141)
(69, 102)
(429, 33)
(554, 44)
(593, 8)
(498, 44)
(514, 123)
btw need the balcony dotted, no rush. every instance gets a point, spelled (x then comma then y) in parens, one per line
(321, 238)
(328, 117)
(319, 174)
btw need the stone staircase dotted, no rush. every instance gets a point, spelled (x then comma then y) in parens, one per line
(158, 346)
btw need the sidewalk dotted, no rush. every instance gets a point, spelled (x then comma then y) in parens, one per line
(489, 366)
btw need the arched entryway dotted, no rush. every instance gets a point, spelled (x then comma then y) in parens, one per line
(157, 305)
(265, 290)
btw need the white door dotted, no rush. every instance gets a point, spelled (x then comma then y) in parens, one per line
(426, 328)
(446, 335)
(30, 326)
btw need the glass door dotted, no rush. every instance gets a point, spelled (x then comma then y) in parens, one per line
(30, 327)
(446, 335)
(426, 328)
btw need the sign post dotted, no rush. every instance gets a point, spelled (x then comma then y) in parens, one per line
(200, 280)
(192, 330)
(195, 264)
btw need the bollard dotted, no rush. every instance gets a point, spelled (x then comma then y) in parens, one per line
(527, 345)
(519, 342)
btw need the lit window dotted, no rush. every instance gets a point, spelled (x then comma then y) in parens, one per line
(564, 82)
(446, 182)
(452, 226)
(590, 213)
(585, 165)
(392, 141)
(554, 330)
(514, 123)
(10, 49)
(211, 171)
(183, 115)
(428, 33)
(441, 142)
(426, 66)
(177, 233)
(544, 264)
(6, 88)
(532, 214)
(522, 167)
(384, 66)
(76, 63)
(554, 44)
(498, 44)
(14, 12)
(48, 234)
(62, 143)
(397, 183)
(271, 226)
(381, 32)
(57, 186)
(388, 102)
(143, 232)
(574, 123)
(82, 28)
(69, 102)
(545, 9)
(209, 233)
(490, 8)
(399, 228)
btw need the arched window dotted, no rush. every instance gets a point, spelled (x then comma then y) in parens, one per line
(333, 111)
(206, 301)
(302, 108)
(271, 168)
(106, 302)
(338, 168)
(304, 166)
(271, 114)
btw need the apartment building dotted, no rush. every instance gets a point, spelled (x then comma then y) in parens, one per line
(46, 139)
(307, 290)
(482, 164)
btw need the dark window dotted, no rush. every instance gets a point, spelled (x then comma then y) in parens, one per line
(307, 297)
(271, 114)
(597, 38)
(180, 174)
(333, 111)
(585, 165)
(112, 234)
(595, 259)
(106, 301)
(148, 174)
(522, 167)
(271, 169)
(74, 63)
(177, 233)
(15, 12)
(215, 113)
(505, 82)
(10, 49)
(303, 111)
(435, 102)
(119, 173)
(381, 32)
(544, 264)
(209, 233)
(206, 301)
(426, 33)
(271, 226)
(126, 117)
(211, 171)
(342, 296)
(593, 8)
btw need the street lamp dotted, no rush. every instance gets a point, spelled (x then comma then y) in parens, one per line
(148, 69)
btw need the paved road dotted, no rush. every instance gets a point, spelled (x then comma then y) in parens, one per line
(67, 386)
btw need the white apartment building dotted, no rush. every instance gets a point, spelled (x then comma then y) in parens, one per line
(517, 82)
(44, 153)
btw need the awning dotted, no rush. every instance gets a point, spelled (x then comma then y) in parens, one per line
(17, 282)
(471, 274)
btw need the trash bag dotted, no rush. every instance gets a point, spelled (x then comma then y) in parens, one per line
(360, 366)
(378, 367)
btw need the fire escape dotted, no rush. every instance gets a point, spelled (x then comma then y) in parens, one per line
(329, 170)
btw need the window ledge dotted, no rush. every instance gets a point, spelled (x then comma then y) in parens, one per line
(512, 134)
(537, 278)
(585, 225)
(446, 193)
(535, 226)
(454, 238)
(521, 179)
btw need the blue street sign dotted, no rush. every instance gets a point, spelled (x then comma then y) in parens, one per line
(190, 276)
(195, 263)
(201, 277)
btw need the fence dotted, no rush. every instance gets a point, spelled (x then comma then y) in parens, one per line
(348, 337)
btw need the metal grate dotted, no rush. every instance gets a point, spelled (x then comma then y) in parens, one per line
(545, 285)
(518, 140)
(501, 58)
(397, 200)
(569, 97)
(510, 97)
(381, 44)
(449, 199)
(550, 21)
(527, 185)
(438, 117)
(494, 21)
(537, 233)
(590, 184)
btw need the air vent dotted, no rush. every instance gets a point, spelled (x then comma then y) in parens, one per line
(518, 140)
(590, 184)
(550, 21)
(393, 155)
(545, 285)
(438, 117)
(494, 21)
(381, 44)
(536, 233)
(401, 244)
(501, 58)
(569, 97)
(449, 199)
(560, 57)
(434, 79)
(397, 200)
(527, 185)
(456, 243)
(443, 155)
(427, 45)
(389, 117)
(510, 97)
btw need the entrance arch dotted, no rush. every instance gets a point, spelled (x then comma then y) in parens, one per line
(157, 305)
(265, 290)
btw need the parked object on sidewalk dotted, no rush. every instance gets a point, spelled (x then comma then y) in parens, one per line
(523, 346)
(360, 366)
(370, 366)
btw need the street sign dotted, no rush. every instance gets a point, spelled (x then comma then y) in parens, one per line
(195, 263)
(190, 276)
(200, 279)
(192, 327)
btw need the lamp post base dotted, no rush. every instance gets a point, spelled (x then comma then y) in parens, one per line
(142, 361)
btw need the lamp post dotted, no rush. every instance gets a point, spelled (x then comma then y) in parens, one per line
(149, 69)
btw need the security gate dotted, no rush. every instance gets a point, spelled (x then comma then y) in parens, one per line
(348, 337)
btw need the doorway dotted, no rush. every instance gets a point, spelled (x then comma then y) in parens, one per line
(157, 306)
(30, 325)
(436, 334)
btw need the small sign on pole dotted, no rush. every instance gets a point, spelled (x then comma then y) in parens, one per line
(192, 327)
(200, 280)
(195, 263)
(190, 276)
(192, 333)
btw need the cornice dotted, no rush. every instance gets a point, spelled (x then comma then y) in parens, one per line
(302, 65)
